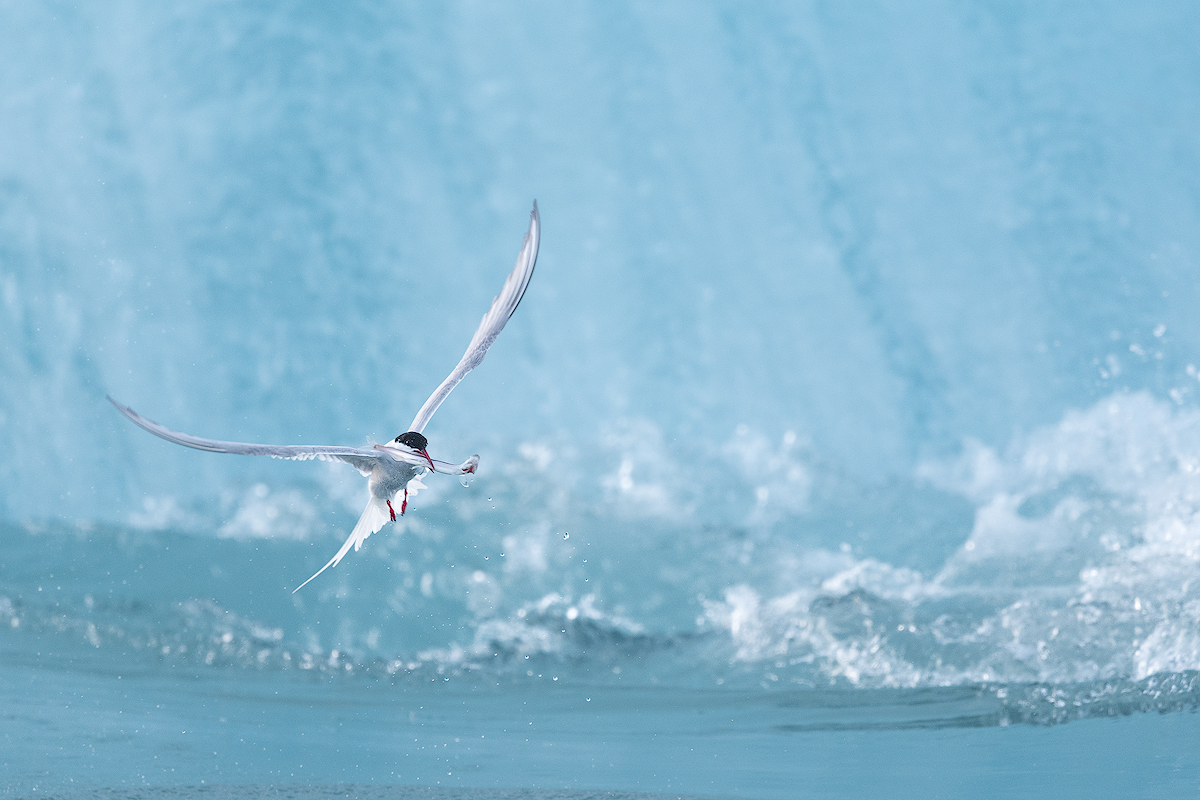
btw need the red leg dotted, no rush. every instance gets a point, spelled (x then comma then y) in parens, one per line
(404, 505)
(392, 510)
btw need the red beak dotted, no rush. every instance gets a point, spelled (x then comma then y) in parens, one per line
(427, 458)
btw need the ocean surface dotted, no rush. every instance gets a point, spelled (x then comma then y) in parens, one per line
(846, 442)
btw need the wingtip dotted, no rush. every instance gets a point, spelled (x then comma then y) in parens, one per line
(125, 410)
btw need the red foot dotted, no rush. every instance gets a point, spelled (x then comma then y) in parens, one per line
(392, 510)
(470, 470)
(403, 505)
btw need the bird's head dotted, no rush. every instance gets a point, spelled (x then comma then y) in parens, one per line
(415, 442)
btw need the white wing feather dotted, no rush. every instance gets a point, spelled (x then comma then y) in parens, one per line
(360, 458)
(492, 323)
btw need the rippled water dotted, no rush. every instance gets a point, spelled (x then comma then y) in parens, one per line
(1073, 592)
(1066, 591)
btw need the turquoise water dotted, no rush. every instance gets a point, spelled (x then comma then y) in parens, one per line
(846, 442)
(137, 730)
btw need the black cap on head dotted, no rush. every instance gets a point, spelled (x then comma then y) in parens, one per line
(413, 439)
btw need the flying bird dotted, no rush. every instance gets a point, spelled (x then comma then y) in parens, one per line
(397, 466)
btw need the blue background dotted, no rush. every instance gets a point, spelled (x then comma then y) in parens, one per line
(860, 357)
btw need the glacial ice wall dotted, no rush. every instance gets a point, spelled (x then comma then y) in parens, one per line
(872, 232)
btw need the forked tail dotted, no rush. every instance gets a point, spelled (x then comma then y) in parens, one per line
(374, 517)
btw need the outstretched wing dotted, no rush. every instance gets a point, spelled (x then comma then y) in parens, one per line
(493, 321)
(361, 459)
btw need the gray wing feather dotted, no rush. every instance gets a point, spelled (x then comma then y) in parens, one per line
(493, 321)
(361, 459)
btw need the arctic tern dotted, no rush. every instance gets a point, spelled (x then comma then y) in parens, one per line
(397, 466)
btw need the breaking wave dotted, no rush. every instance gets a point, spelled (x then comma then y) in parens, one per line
(1070, 589)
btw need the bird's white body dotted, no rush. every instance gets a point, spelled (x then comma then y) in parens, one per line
(395, 467)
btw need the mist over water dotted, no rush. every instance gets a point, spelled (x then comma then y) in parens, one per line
(861, 356)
